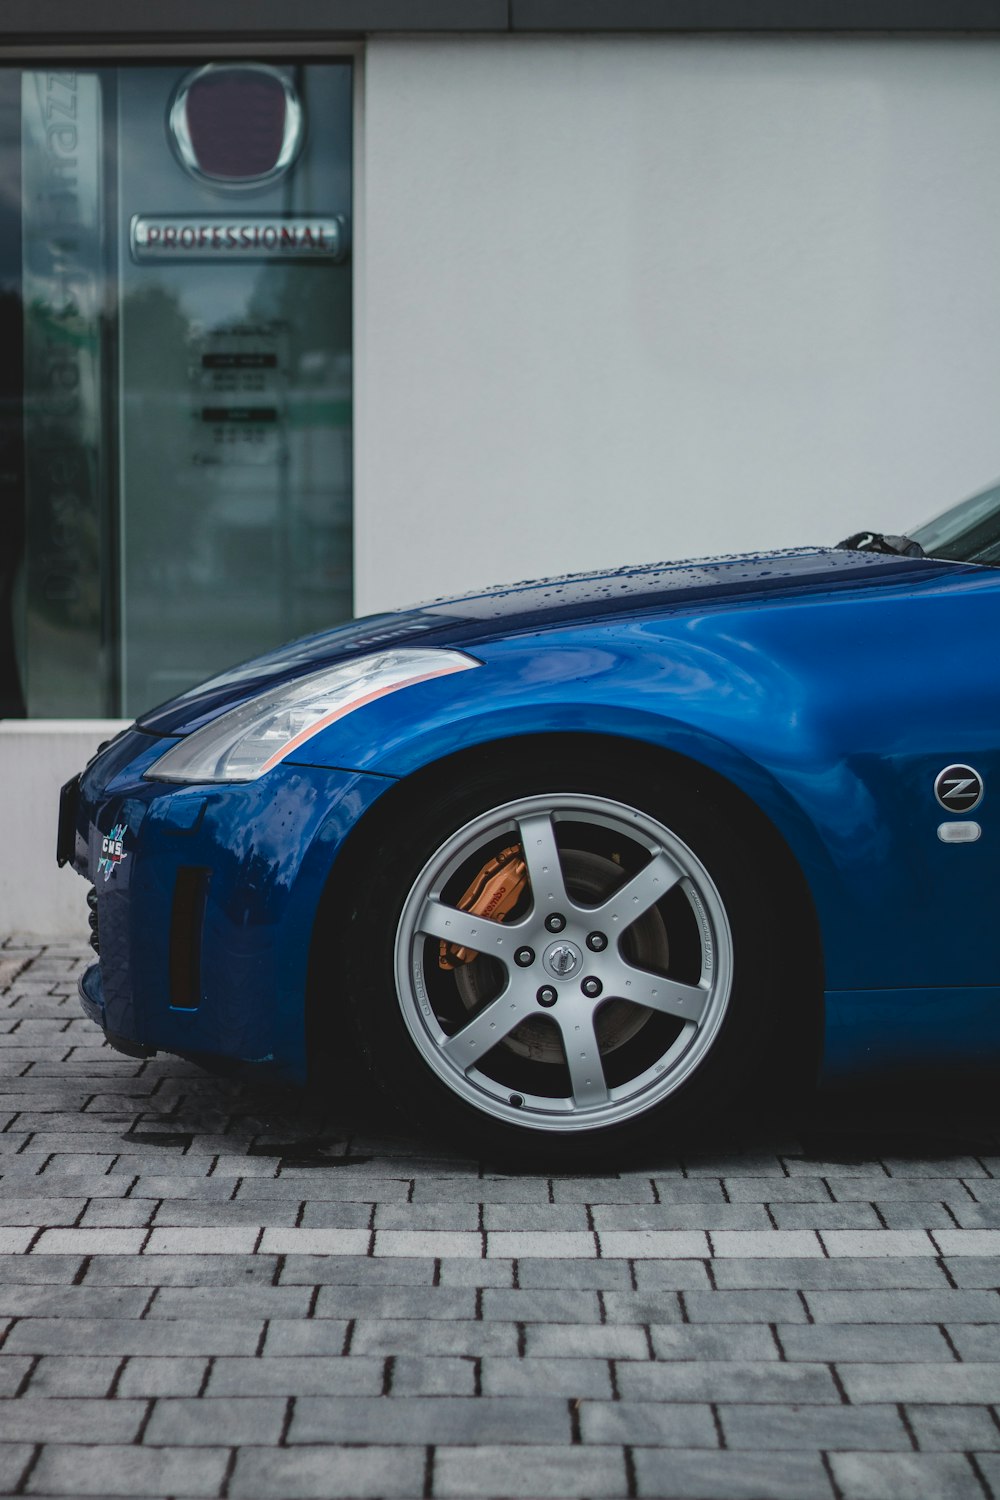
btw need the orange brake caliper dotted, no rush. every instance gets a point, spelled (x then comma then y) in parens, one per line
(493, 894)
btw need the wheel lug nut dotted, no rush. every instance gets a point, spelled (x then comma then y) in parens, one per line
(596, 942)
(591, 988)
(547, 995)
(555, 922)
(524, 957)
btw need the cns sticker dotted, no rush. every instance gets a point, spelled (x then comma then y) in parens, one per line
(113, 851)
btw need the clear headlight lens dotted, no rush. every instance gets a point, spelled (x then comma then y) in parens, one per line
(247, 741)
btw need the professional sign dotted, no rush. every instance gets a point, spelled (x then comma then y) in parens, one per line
(238, 237)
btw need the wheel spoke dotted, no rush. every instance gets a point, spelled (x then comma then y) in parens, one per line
(637, 895)
(462, 928)
(541, 854)
(686, 1002)
(583, 1058)
(484, 1031)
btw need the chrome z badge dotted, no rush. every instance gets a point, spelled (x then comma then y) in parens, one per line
(958, 788)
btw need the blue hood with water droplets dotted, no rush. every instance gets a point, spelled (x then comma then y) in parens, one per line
(658, 588)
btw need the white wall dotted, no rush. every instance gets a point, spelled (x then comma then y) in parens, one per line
(36, 758)
(631, 298)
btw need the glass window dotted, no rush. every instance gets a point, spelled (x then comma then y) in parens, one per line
(175, 422)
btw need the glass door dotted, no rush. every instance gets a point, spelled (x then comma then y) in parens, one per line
(186, 400)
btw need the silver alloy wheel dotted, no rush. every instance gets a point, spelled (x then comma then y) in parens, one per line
(683, 1016)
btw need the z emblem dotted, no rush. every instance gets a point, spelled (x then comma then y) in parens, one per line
(958, 789)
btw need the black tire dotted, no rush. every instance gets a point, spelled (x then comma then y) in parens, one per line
(702, 950)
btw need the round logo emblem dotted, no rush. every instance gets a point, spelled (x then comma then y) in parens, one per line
(236, 125)
(562, 959)
(958, 789)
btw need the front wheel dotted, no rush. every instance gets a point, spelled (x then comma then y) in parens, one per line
(562, 963)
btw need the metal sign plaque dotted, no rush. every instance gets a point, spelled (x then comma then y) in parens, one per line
(160, 237)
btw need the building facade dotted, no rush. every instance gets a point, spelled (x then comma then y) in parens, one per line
(367, 302)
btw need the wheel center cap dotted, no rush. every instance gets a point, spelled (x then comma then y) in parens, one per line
(562, 959)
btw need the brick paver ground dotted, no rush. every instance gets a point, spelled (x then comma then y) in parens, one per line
(214, 1288)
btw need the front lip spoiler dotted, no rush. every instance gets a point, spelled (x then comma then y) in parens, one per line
(91, 993)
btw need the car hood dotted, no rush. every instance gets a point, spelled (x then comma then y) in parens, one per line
(464, 621)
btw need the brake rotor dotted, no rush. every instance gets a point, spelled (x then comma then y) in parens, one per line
(590, 879)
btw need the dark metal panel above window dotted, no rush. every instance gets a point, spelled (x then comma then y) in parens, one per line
(30, 21)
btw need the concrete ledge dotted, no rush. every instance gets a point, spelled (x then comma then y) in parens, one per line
(36, 757)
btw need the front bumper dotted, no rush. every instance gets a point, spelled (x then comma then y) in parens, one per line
(204, 900)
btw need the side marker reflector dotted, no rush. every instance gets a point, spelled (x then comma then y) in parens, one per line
(959, 833)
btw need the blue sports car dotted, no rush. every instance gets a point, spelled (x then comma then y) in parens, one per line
(576, 860)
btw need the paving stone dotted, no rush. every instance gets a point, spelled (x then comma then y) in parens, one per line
(447, 1217)
(701, 1475)
(774, 1190)
(482, 1273)
(20, 1211)
(918, 1476)
(181, 1270)
(236, 1241)
(583, 1340)
(920, 1215)
(807, 1428)
(477, 1339)
(826, 1215)
(698, 1216)
(945, 1306)
(328, 1474)
(251, 1300)
(72, 1301)
(865, 1343)
(89, 1469)
(439, 1375)
(538, 1217)
(954, 1429)
(166, 1375)
(974, 1271)
(243, 1420)
(756, 1306)
(36, 1418)
(86, 1242)
(310, 1375)
(922, 1382)
(877, 1243)
(351, 1270)
(558, 1244)
(648, 1423)
(956, 1242)
(322, 1215)
(431, 1419)
(569, 1378)
(601, 1275)
(395, 1302)
(131, 1336)
(541, 1306)
(727, 1380)
(715, 1341)
(556, 1473)
(864, 1274)
(752, 1243)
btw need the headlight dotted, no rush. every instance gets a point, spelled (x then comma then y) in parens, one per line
(247, 741)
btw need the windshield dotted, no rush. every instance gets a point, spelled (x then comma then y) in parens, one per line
(968, 532)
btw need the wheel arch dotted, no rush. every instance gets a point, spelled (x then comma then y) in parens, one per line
(802, 946)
